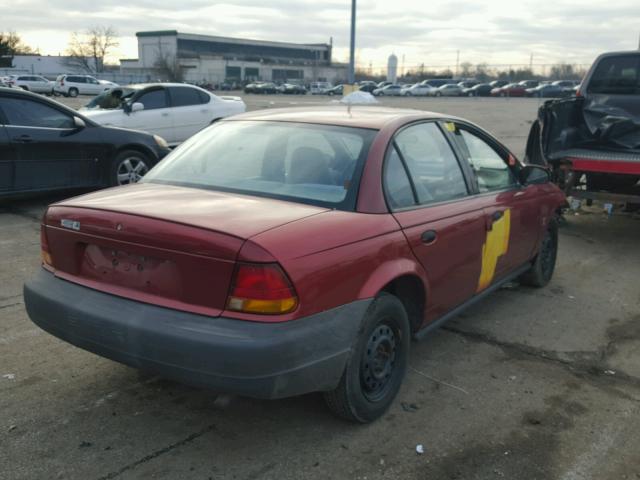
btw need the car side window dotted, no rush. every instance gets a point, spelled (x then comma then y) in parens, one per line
(433, 167)
(396, 182)
(204, 98)
(491, 169)
(27, 113)
(184, 96)
(153, 99)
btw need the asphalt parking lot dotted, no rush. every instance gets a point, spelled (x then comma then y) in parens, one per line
(528, 384)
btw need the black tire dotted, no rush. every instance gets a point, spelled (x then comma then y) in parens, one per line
(544, 264)
(438, 94)
(377, 364)
(24, 87)
(128, 166)
(73, 92)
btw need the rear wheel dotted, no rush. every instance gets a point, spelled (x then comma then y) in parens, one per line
(377, 364)
(544, 264)
(73, 92)
(128, 167)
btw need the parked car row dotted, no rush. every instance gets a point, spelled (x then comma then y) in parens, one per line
(272, 88)
(448, 88)
(67, 85)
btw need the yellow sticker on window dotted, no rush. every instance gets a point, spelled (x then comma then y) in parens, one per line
(450, 126)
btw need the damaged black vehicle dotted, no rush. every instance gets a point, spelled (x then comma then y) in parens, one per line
(591, 142)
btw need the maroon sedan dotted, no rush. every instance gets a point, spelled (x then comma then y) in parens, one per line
(510, 90)
(291, 251)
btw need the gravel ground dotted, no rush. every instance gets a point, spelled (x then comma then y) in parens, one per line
(528, 384)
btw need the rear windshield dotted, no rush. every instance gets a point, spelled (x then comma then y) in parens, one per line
(306, 163)
(616, 75)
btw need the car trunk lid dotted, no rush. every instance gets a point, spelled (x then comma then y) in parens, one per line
(171, 246)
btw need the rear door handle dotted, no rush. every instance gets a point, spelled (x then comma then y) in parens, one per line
(494, 217)
(23, 139)
(429, 237)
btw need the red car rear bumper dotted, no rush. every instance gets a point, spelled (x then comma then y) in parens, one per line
(263, 360)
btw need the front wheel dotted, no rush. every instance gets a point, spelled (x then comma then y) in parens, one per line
(73, 92)
(128, 167)
(544, 264)
(377, 364)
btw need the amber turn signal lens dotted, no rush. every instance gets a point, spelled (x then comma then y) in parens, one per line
(45, 255)
(46, 258)
(261, 288)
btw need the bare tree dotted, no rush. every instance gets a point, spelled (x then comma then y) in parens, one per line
(11, 45)
(88, 50)
(168, 67)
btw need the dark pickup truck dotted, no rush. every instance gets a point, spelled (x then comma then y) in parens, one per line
(591, 141)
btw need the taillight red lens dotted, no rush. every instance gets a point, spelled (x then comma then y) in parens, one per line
(261, 288)
(45, 254)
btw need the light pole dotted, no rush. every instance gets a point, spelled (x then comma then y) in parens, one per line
(352, 51)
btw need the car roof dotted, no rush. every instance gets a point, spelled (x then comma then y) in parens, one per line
(359, 116)
(159, 84)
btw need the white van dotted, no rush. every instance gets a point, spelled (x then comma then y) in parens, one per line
(319, 88)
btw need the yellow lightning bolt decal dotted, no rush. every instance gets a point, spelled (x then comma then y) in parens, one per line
(496, 244)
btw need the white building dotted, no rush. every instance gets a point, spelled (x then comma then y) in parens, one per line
(205, 58)
(45, 65)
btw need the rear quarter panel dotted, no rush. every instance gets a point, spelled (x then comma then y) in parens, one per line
(339, 257)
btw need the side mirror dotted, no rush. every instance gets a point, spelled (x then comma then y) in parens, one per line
(137, 107)
(79, 123)
(533, 174)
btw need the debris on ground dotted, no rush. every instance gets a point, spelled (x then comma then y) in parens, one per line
(419, 449)
(9, 376)
(409, 407)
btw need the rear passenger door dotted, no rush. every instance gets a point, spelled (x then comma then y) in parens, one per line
(513, 211)
(156, 118)
(191, 111)
(430, 198)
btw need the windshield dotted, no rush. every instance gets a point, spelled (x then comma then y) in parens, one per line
(113, 98)
(316, 164)
(616, 75)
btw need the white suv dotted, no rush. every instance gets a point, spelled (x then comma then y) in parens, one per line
(74, 85)
(32, 83)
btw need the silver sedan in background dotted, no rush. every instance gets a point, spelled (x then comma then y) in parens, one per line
(448, 90)
(390, 90)
(418, 90)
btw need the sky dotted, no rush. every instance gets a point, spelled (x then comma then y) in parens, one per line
(432, 32)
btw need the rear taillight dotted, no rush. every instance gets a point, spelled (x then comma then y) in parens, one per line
(261, 288)
(45, 253)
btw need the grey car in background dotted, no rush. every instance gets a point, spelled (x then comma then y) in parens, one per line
(448, 90)
(390, 90)
(417, 90)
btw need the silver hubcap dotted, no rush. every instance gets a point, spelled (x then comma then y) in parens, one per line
(131, 170)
